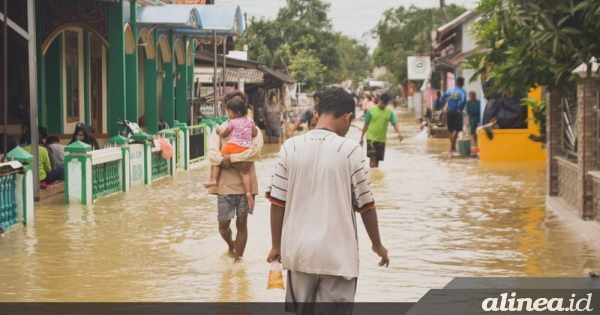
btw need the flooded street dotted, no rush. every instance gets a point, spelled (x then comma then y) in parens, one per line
(440, 218)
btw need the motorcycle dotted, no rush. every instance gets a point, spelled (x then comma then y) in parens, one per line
(131, 129)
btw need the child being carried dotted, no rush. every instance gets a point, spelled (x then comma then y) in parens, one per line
(240, 130)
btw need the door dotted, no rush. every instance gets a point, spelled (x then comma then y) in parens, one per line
(96, 100)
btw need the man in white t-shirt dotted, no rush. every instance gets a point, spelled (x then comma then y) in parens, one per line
(321, 180)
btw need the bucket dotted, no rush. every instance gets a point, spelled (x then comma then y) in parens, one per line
(464, 147)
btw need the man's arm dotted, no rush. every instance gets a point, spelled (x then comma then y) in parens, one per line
(253, 152)
(304, 118)
(277, 195)
(277, 213)
(364, 203)
(396, 125)
(214, 154)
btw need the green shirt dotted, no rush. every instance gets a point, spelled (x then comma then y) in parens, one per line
(44, 160)
(378, 120)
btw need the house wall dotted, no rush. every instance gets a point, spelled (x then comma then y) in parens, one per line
(468, 43)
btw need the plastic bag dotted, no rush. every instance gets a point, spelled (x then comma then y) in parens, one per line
(275, 277)
(166, 148)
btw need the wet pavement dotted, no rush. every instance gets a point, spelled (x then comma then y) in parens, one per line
(440, 218)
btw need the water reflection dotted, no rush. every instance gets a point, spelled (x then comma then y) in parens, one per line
(440, 218)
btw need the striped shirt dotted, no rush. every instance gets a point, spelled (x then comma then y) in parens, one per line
(322, 180)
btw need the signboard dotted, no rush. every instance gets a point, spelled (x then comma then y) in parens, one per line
(242, 80)
(136, 163)
(208, 111)
(419, 68)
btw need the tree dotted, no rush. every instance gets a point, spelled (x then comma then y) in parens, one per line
(535, 42)
(405, 32)
(302, 38)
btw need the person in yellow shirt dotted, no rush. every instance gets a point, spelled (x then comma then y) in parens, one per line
(47, 174)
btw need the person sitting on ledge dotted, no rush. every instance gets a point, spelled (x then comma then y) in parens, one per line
(81, 134)
(47, 174)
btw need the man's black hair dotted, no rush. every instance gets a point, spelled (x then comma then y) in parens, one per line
(238, 105)
(52, 139)
(336, 102)
(317, 95)
(460, 81)
(385, 97)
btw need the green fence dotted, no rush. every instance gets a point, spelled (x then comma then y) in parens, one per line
(198, 143)
(8, 200)
(105, 179)
(160, 166)
(179, 143)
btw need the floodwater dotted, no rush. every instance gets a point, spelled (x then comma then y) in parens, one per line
(440, 218)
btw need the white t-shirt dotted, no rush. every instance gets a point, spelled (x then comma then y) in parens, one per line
(322, 180)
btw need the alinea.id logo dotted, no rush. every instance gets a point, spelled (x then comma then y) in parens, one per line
(504, 304)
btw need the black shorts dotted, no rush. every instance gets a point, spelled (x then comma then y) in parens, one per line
(375, 149)
(455, 121)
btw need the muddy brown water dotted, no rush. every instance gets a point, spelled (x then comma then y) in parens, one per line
(440, 218)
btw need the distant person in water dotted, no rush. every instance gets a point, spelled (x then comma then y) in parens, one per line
(473, 112)
(231, 193)
(457, 99)
(239, 130)
(377, 120)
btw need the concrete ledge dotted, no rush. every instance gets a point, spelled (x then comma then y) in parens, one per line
(54, 189)
(589, 230)
(567, 163)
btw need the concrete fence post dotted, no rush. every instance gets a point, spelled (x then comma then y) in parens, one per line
(78, 173)
(24, 185)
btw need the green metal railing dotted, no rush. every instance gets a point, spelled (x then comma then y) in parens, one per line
(160, 166)
(105, 179)
(8, 200)
(178, 148)
(198, 143)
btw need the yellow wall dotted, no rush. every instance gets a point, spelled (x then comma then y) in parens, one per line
(513, 144)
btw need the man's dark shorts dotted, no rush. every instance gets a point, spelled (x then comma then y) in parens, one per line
(455, 121)
(375, 149)
(229, 205)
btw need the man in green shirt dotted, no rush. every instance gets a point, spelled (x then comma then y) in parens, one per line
(377, 119)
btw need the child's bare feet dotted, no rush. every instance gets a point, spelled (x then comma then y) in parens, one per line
(250, 200)
(211, 183)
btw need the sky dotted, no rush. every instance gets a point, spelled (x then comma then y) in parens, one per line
(351, 17)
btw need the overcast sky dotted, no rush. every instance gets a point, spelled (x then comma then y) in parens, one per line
(351, 17)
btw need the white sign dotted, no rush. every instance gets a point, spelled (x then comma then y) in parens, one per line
(302, 99)
(419, 68)
(208, 111)
(136, 164)
(242, 80)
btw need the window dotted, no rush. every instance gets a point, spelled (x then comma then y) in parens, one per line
(569, 123)
(72, 67)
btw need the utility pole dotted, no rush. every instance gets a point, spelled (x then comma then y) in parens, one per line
(443, 9)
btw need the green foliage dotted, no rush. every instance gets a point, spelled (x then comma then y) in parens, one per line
(535, 42)
(404, 32)
(301, 38)
(539, 113)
